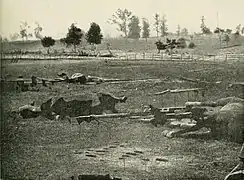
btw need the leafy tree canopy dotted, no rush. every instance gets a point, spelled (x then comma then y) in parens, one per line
(94, 35)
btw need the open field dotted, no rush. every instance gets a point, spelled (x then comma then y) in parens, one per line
(204, 45)
(45, 149)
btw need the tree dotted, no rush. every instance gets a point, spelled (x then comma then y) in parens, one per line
(23, 30)
(14, 36)
(3, 39)
(145, 28)
(157, 23)
(184, 32)
(206, 31)
(94, 35)
(220, 32)
(73, 36)
(63, 41)
(134, 28)
(163, 27)
(226, 39)
(238, 29)
(121, 18)
(38, 30)
(178, 30)
(203, 27)
(202, 23)
(47, 42)
(228, 31)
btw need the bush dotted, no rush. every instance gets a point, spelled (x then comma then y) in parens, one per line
(181, 43)
(191, 45)
(160, 45)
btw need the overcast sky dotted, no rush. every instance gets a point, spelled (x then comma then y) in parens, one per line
(55, 16)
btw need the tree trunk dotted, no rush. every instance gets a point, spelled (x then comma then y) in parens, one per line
(47, 50)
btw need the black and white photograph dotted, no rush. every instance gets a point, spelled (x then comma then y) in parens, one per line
(122, 89)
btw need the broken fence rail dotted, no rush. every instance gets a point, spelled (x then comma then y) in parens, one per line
(178, 91)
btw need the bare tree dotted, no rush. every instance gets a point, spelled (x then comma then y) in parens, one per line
(157, 23)
(178, 30)
(121, 18)
(238, 29)
(184, 32)
(14, 36)
(145, 28)
(38, 30)
(24, 30)
(163, 27)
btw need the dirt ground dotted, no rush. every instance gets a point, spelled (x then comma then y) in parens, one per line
(44, 149)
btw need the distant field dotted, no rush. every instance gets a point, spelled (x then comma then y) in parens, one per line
(42, 149)
(205, 44)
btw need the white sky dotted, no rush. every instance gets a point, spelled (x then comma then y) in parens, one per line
(55, 16)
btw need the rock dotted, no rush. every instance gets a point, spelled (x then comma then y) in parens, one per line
(230, 122)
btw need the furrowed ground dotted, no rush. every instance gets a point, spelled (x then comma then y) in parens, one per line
(45, 149)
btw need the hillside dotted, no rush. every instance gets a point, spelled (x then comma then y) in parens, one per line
(204, 45)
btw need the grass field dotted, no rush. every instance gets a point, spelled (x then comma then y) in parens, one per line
(45, 149)
(204, 45)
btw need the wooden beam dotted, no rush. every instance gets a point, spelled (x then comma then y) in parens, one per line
(185, 90)
(179, 91)
(89, 118)
(198, 80)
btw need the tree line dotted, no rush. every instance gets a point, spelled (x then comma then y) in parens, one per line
(127, 23)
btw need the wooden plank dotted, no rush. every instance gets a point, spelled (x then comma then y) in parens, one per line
(185, 90)
(118, 115)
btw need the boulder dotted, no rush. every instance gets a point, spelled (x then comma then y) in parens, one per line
(229, 122)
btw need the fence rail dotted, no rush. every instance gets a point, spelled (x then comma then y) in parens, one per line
(14, 58)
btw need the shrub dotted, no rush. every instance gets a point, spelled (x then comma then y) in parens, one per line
(191, 45)
(181, 43)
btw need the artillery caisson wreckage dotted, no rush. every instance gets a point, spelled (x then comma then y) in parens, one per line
(189, 118)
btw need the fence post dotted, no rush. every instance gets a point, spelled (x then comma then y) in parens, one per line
(171, 57)
(226, 57)
(152, 56)
(143, 55)
(181, 56)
